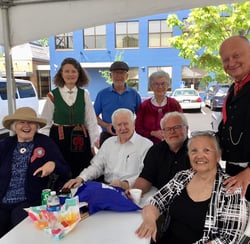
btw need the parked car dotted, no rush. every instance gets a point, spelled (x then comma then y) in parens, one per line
(26, 96)
(188, 98)
(215, 96)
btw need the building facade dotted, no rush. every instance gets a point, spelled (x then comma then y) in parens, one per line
(141, 42)
(27, 59)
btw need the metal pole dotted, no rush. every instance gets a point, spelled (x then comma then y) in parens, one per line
(11, 91)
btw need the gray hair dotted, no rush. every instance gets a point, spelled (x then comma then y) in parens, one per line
(207, 134)
(173, 114)
(13, 126)
(122, 111)
(159, 74)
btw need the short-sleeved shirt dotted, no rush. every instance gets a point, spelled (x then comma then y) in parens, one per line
(108, 100)
(161, 164)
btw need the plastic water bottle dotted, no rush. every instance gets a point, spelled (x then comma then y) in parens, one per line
(53, 202)
(53, 208)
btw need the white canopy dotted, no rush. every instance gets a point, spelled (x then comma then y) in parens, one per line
(34, 19)
(22, 21)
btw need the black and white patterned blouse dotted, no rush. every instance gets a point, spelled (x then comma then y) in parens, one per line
(227, 214)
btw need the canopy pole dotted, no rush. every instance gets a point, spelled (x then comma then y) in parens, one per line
(11, 91)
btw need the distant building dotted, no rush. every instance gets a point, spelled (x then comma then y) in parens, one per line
(30, 62)
(141, 42)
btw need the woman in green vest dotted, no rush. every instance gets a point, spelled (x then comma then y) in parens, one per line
(70, 114)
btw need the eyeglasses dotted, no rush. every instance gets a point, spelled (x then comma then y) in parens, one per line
(203, 133)
(173, 128)
(158, 84)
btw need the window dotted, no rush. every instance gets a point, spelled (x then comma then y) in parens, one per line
(43, 82)
(191, 77)
(25, 90)
(3, 90)
(159, 33)
(95, 37)
(133, 78)
(127, 34)
(64, 41)
(167, 69)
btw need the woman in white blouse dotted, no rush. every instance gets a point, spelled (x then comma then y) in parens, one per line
(71, 118)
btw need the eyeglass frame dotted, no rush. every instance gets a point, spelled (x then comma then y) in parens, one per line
(158, 84)
(173, 128)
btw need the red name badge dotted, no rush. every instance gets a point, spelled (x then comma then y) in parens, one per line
(38, 153)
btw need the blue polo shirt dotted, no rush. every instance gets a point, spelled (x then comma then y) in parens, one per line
(108, 100)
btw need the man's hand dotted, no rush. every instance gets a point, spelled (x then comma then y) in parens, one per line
(122, 184)
(73, 183)
(158, 134)
(110, 129)
(240, 180)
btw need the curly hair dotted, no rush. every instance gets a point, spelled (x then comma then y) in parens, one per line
(83, 78)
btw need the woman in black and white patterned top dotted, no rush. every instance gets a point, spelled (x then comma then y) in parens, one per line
(200, 209)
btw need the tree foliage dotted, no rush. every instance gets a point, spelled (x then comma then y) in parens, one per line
(44, 42)
(203, 32)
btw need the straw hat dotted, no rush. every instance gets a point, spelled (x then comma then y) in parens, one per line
(25, 114)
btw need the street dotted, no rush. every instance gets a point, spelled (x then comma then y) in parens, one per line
(199, 121)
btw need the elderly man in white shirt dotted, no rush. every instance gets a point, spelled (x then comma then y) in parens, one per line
(120, 158)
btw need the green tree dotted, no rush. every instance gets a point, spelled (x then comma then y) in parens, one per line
(105, 73)
(203, 32)
(44, 42)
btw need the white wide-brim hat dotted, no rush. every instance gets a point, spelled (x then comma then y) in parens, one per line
(24, 114)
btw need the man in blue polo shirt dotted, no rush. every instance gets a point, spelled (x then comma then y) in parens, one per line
(119, 95)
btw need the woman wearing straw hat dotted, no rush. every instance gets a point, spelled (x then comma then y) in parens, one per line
(27, 159)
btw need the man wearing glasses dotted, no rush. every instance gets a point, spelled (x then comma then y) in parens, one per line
(165, 159)
(119, 95)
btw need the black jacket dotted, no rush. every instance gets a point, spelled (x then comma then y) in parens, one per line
(33, 184)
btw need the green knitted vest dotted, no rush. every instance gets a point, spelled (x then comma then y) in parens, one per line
(69, 115)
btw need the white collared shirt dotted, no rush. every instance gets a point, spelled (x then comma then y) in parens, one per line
(163, 103)
(118, 161)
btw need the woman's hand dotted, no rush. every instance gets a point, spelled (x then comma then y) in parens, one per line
(148, 228)
(46, 169)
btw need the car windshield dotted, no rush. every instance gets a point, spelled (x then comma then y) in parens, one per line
(185, 93)
(221, 91)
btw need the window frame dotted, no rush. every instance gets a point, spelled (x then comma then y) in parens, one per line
(161, 34)
(127, 33)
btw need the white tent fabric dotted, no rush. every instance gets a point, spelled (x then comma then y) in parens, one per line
(22, 21)
(34, 19)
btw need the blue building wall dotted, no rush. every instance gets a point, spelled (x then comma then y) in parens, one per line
(142, 57)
